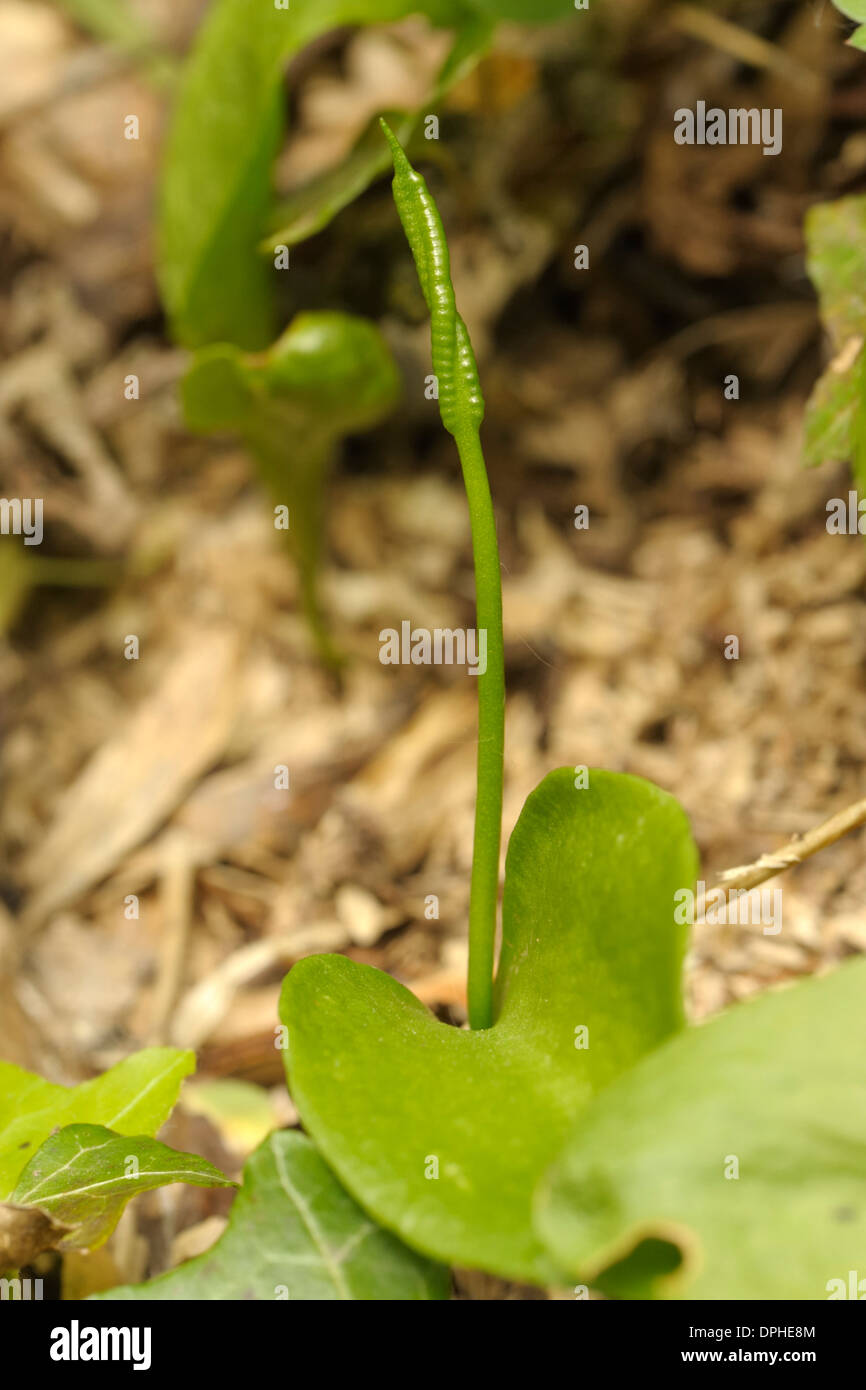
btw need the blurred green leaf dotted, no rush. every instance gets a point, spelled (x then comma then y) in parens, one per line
(294, 1233)
(113, 20)
(852, 9)
(215, 392)
(836, 261)
(741, 1142)
(312, 207)
(226, 130)
(134, 1097)
(830, 413)
(83, 1176)
(243, 1113)
(329, 375)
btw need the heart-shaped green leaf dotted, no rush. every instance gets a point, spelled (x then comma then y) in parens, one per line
(742, 1142)
(442, 1134)
(133, 1097)
(83, 1176)
(295, 1234)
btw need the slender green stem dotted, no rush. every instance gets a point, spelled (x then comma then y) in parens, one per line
(461, 406)
(491, 733)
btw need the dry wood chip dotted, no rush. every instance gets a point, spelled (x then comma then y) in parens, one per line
(137, 778)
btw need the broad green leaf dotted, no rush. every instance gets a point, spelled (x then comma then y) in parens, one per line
(774, 1091)
(227, 127)
(133, 1097)
(443, 1134)
(312, 207)
(83, 1176)
(295, 1234)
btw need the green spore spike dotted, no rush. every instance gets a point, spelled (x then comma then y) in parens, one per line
(461, 403)
(461, 406)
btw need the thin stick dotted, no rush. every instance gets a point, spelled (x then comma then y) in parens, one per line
(741, 45)
(800, 848)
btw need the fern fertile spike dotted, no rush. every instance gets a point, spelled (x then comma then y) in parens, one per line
(461, 404)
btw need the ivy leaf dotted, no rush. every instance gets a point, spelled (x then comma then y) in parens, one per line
(836, 260)
(294, 1233)
(741, 1144)
(831, 411)
(442, 1134)
(133, 1097)
(83, 1176)
(225, 133)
